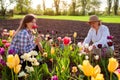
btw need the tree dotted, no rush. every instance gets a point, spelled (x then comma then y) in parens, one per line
(4, 4)
(116, 3)
(64, 7)
(23, 6)
(73, 6)
(109, 3)
(44, 7)
(95, 5)
(83, 5)
(56, 4)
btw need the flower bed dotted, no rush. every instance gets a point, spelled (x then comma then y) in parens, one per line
(62, 59)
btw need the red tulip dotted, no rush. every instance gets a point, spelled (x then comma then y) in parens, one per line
(66, 40)
(34, 27)
(4, 41)
(110, 43)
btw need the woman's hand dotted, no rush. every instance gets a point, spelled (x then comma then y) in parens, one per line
(37, 40)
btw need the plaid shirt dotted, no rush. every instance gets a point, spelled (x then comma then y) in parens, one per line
(23, 42)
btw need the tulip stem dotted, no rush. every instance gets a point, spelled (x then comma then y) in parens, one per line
(111, 76)
(88, 78)
(12, 74)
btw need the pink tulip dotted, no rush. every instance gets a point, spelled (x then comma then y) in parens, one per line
(7, 45)
(59, 38)
(54, 77)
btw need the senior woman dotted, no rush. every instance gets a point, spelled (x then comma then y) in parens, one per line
(98, 33)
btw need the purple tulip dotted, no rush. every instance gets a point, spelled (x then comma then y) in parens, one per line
(99, 45)
(54, 77)
(110, 37)
(2, 51)
(2, 62)
(11, 51)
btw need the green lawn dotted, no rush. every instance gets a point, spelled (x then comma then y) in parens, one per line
(107, 19)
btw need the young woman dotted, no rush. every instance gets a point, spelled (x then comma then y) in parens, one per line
(98, 33)
(23, 40)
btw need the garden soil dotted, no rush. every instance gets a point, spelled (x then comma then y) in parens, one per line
(66, 28)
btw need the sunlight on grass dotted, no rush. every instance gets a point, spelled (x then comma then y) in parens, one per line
(107, 19)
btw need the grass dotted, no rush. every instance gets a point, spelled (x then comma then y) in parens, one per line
(107, 19)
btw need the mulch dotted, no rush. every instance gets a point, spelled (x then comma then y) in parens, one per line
(66, 27)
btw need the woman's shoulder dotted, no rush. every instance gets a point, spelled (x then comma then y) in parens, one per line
(23, 31)
(104, 27)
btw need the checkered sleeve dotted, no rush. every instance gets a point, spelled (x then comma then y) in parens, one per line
(26, 43)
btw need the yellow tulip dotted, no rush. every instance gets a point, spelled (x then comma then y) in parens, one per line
(113, 64)
(75, 34)
(11, 32)
(71, 48)
(10, 61)
(87, 68)
(52, 50)
(117, 72)
(96, 71)
(98, 77)
(17, 69)
(17, 59)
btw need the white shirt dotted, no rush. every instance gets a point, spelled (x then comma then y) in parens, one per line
(98, 38)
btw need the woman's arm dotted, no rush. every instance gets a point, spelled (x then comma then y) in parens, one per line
(88, 38)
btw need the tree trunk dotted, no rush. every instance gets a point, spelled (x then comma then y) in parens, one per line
(44, 7)
(84, 2)
(116, 2)
(109, 6)
(74, 6)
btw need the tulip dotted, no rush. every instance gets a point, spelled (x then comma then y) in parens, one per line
(45, 54)
(113, 65)
(87, 68)
(11, 32)
(7, 45)
(4, 41)
(52, 50)
(59, 38)
(11, 51)
(117, 72)
(74, 69)
(10, 61)
(96, 71)
(34, 27)
(17, 69)
(2, 51)
(17, 60)
(99, 45)
(54, 77)
(110, 37)
(98, 77)
(66, 40)
(110, 43)
(2, 62)
(75, 34)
